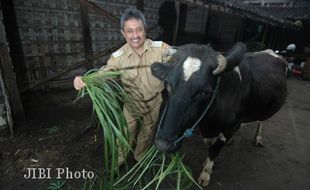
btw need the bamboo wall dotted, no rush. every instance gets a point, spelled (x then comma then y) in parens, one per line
(51, 35)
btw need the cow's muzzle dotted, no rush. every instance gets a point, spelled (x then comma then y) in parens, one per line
(166, 146)
(162, 145)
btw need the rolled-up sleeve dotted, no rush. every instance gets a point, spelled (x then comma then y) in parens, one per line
(112, 64)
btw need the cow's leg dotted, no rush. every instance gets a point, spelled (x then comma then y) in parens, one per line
(208, 141)
(214, 150)
(258, 136)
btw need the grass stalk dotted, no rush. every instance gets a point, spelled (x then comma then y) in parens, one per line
(108, 97)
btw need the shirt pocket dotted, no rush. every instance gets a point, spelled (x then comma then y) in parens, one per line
(130, 69)
(131, 74)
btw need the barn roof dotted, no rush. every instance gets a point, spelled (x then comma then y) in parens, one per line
(289, 13)
(261, 14)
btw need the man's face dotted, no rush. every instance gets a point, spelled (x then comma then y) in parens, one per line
(134, 33)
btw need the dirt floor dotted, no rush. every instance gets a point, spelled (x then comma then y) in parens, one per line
(57, 136)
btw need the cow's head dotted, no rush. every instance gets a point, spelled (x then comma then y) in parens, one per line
(190, 77)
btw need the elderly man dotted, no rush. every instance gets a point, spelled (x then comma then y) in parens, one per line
(138, 53)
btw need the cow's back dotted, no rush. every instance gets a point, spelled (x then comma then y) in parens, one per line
(267, 87)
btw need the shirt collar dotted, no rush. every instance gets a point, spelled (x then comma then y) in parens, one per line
(146, 47)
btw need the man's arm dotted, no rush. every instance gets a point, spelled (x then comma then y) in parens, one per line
(112, 64)
(167, 52)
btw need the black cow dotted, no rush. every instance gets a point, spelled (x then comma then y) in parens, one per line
(217, 94)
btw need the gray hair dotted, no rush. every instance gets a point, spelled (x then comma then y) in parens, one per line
(131, 13)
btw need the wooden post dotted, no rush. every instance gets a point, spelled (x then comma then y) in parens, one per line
(176, 29)
(271, 39)
(13, 38)
(10, 84)
(266, 28)
(240, 31)
(86, 35)
(181, 21)
(140, 5)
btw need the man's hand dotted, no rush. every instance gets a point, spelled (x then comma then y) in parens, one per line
(78, 83)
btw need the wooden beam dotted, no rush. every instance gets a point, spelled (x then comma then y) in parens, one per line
(9, 79)
(177, 5)
(240, 31)
(13, 38)
(265, 33)
(86, 35)
(182, 19)
(101, 11)
(71, 67)
(52, 54)
(7, 106)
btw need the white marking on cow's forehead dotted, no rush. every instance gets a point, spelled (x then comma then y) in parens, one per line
(190, 66)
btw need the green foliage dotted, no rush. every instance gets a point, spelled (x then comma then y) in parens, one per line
(58, 185)
(108, 96)
(154, 169)
(53, 130)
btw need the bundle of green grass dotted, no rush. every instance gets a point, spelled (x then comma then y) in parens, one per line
(153, 169)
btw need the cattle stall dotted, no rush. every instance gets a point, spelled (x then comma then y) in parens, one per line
(45, 43)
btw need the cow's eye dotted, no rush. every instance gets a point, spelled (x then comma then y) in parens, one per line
(203, 92)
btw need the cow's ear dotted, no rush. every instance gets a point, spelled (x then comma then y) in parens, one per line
(160, 70)
(235, 55)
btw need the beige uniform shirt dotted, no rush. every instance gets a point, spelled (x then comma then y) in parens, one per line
(139, 82)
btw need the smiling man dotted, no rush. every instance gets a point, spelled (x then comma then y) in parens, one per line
(138, 53)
